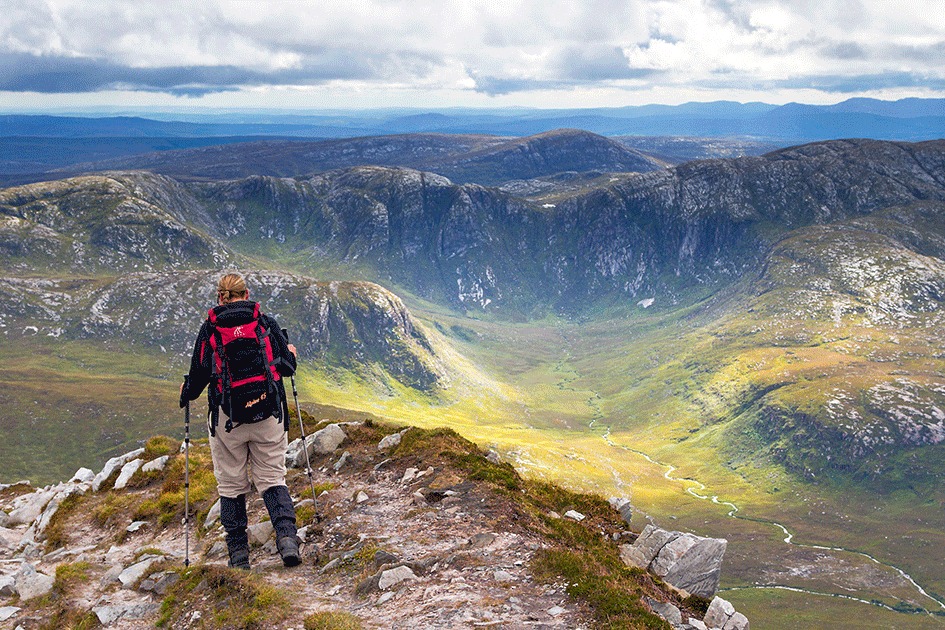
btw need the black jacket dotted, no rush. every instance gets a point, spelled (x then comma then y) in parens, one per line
(201, 363)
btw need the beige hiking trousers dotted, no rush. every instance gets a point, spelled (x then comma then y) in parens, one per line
(256, 450)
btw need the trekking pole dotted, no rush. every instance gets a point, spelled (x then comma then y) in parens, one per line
(186, 477)
(308, 463)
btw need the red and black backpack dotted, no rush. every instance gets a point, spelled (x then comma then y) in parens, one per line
(244, 377)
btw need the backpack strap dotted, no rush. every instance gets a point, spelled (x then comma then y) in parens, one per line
(220, 379)
(270, 361)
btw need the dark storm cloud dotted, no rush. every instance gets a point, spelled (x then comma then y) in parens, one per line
(495, 86)
(598, 63)
(55, 74)
(844, 50)
(862, 83)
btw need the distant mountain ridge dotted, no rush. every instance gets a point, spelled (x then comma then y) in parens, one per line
(881, 119)
(486, 160)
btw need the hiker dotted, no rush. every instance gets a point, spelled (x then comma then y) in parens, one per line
(242, 355)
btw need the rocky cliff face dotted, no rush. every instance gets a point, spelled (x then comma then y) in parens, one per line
(356, 325)
(96, 224)
(663, 232)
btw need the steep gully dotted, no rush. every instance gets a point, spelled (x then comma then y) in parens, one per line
(698, 490)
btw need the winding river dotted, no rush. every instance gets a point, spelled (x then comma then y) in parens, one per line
(698, 490)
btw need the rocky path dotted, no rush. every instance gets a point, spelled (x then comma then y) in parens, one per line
(406, 542)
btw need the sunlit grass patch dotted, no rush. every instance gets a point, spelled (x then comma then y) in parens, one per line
(223, 598)
(332, 620)
(57, 532)
(169, 504)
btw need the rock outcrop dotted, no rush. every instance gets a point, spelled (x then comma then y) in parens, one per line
(686, 561)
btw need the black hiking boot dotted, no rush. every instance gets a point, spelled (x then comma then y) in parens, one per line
(234, 519)
(239, 557)
(288, 547)
(282, 514)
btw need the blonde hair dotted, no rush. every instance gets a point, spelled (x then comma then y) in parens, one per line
(231, 288)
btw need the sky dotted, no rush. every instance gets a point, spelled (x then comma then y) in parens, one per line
(344, 54)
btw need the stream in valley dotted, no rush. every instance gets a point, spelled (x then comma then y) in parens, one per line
(698, 490)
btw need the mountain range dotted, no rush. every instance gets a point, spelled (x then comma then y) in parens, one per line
(34, 144)
(770, 322)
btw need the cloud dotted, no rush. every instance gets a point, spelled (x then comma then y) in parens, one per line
(496, 86)
(597, 63)
(482, 46)
(862, 83)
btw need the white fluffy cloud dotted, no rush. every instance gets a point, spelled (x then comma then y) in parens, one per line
(559, 49)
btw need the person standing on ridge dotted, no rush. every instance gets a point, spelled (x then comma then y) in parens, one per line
(242, 355)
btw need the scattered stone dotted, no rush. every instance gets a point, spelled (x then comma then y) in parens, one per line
(115, 463)
(409, 475)
(721, 614)
(686, 561)
(344, 459)
(135, 526)
(28, 507)
(260, 532)
(30, 550)
(217, 549)
(390, 442)
(213, 515)
(503, 576)
(9, 538)
(395, 576)
(665, 610)
(61, 493)
(481, 541)
(493, 457)
(419, 499)
(574, 515)
(127, 471)
(83, 475)
(556, 610)
(322, 442)
(7, 586)
(366, 585)
(692, 563)
(697, 624)
(30, 583)
(111, 576)
(135, 572)
(110, 614)
(326, 440)
(553, 514)
(382, 557)
(8, 611)
(156, 464)
(386, 597)
(361, 497)
(160, 582)
(623, 505)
